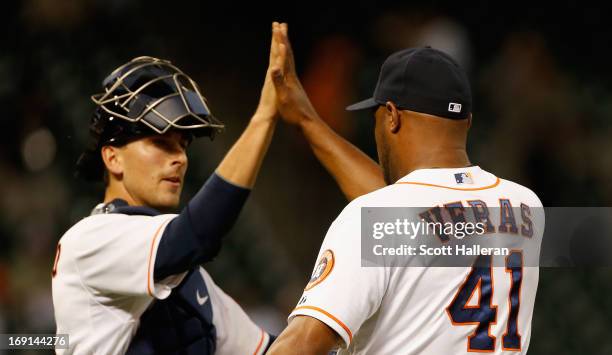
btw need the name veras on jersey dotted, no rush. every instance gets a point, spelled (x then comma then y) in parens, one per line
(458, 212)
(457, 220)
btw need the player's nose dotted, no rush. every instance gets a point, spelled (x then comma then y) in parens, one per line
(179, 157)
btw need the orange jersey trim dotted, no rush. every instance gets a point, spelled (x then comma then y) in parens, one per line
(348, 331)
(452, 188)
(261, 339)
(151, 258)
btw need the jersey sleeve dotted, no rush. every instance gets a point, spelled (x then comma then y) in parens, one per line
(116, 254)
(341, 293)
(236, 332)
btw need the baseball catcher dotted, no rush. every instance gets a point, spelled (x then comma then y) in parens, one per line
(128, 278)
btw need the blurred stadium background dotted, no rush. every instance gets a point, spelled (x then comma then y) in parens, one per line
(540, 77)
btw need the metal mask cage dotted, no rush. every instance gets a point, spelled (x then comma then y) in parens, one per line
(128, 97)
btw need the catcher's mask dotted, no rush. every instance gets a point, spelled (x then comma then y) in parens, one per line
(146, 96)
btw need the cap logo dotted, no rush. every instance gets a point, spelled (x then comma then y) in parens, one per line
(454, 107)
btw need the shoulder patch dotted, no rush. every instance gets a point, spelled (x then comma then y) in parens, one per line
(322, 270)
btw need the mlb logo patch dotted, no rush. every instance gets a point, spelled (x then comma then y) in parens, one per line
(454, 107)
(463, 178)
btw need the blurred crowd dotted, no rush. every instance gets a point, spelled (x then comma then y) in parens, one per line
(541, 118)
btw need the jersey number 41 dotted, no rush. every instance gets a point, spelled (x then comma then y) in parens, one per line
(484, 314)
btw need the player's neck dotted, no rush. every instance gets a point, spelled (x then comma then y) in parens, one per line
(431, 143)
(431, 158)
(115, 190)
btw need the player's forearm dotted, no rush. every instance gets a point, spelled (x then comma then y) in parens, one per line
(353, 170)
(305, 336)
(295, 344)
(195, 235)
(242, 163)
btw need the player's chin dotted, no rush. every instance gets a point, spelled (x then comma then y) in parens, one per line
(169, 200)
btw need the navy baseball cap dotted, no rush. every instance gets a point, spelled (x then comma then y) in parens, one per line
(424, 80)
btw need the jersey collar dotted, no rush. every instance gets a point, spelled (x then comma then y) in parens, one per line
(120, 206)
(466, 178)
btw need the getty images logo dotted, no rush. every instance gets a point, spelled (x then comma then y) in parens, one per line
(454, 107)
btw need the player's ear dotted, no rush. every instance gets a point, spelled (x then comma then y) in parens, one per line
(469, 122)
(112, 159)
(393, 117)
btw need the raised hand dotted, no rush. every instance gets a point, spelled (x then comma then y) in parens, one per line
(241, 164)
(267, 108)
(354, 171)
(293, 103)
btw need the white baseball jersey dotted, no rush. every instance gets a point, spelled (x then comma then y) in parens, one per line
(103, 282)
(429, 310)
